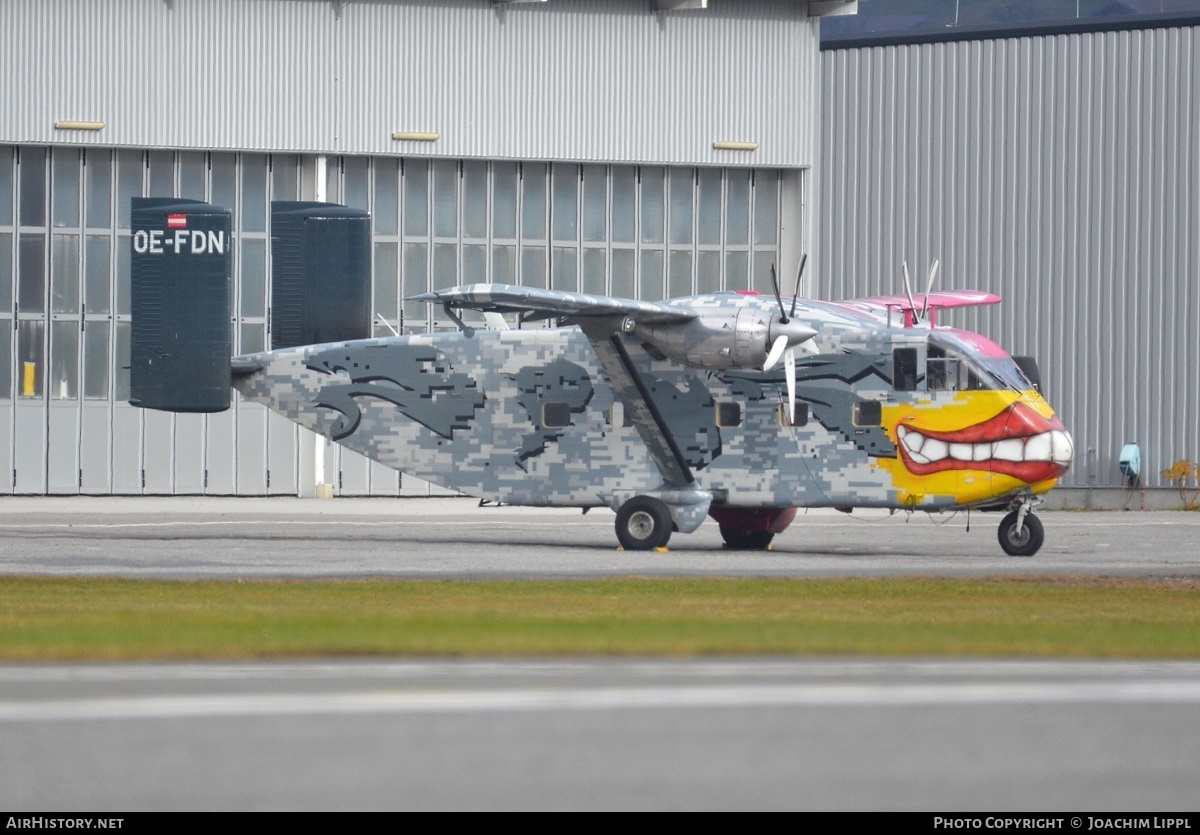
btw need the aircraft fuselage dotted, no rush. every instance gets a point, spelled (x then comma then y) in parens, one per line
(886, 416)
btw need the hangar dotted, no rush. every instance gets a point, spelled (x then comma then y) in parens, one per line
(1055, 165)
(642, 148)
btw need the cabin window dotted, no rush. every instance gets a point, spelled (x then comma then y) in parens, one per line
(904, 369)
(617, 416)
(729, 414)
(868, 413)
(941, 372)
(801, 418)
(556, 413)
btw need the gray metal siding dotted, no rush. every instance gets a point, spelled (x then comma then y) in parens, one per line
(1060, 172)
(565, 80)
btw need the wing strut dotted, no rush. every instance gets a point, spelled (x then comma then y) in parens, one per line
(660, 443)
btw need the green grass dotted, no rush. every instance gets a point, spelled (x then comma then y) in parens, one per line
(112, 619)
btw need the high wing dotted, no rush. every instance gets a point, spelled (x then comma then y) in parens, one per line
(601, 319)
(533, 303)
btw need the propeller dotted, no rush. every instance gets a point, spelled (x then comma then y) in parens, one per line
(933, 268)
(921, 315)
(783, 317)
(787, 334)
(908, 287)
(799, 273)
(777, 348)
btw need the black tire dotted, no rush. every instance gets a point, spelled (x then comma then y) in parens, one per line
(739, 540)
(643, 524)
(1031, 537)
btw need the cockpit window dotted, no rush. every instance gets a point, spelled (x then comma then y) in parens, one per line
(904, 369)
(950, 366)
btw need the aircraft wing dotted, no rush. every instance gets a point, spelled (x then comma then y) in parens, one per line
(936, 301)
(534, 303)
(600, 319)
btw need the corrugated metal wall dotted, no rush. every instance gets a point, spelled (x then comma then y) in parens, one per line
(564, 80)
(1061, 172)
(206, 99)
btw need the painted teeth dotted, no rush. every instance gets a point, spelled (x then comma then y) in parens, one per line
(1010, 449)
(1054, 445)
(1062, 450)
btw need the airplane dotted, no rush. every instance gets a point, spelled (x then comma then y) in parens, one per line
(734, 405)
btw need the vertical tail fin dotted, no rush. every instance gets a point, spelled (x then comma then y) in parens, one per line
(320, 273)
(180, 281)
(180, 347)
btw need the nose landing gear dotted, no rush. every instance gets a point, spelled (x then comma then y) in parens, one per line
(1021, 533)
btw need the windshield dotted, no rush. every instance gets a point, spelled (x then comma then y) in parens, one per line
(955, 363)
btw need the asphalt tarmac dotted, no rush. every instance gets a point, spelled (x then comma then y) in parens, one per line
(833, 734)
(455, 538)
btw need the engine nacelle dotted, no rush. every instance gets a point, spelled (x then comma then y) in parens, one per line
(737, 339)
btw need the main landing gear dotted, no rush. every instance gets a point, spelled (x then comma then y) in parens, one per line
(643, 524)
(751, 528)
(1021, 533)
(739, 540)
(647, 522)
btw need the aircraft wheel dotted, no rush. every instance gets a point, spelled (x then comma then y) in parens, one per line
(1028, 542)
(643, 524)
(739, 540)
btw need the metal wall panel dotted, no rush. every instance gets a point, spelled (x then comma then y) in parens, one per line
(568, 79)
(189, 454)
(578, 80)
(251, 449)
(1058, 171)
(29, 455)
(62, 448)
(282, 437)
(353, 473)
(175, 74)
(158, 465)
(384, 480)
(6, 449)
(126, 449)
(220, 441)
(95, 448)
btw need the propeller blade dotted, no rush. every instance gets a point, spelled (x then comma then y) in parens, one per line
(777, 348)
(783, 319)
(799, 273)
(908, 289)
(933, 268)
(789, 361)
